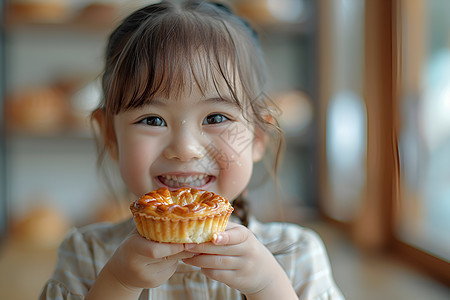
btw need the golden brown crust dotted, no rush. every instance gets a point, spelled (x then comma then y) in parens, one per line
(184, 216)
(185, 203)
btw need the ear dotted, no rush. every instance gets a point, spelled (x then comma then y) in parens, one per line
(259, 144)
(107, 132)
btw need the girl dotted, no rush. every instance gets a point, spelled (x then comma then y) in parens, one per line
(183, 107)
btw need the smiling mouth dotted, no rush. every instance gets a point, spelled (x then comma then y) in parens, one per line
(178, 181)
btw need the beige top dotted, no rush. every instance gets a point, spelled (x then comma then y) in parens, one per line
(85, 251)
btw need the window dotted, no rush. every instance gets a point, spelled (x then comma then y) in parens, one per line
(346, 112)
(395, 192)
(424, 136)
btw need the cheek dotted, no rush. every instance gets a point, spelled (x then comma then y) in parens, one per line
(235, 159)
(134, 163)
(235, 171)
(238, 176)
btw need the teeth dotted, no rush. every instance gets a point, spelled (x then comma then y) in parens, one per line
(180, 181)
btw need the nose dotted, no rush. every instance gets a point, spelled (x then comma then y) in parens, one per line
(184, 146)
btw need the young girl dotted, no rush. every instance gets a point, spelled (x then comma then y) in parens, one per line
(183, 107)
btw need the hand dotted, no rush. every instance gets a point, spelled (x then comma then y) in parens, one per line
(235, 257)
(140, 263)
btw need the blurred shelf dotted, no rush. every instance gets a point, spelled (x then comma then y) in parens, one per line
(96, 17)
(24, 144)
(57, 136)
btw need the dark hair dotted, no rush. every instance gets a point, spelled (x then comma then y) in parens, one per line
(163, 48)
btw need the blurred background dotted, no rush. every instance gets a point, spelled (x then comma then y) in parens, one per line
(364, 91)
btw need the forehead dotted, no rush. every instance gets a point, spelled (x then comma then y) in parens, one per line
(201, 75)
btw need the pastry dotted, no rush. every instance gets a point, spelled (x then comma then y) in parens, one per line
(186, 215)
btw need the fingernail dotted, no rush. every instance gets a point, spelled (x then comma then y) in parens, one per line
(217, 238)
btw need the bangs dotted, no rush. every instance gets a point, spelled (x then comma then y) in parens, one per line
(169, 55)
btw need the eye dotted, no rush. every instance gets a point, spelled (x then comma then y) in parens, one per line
(215, 119)
(153, 121)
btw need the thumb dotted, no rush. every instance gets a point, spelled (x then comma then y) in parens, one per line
(231, 236)
(221, 238)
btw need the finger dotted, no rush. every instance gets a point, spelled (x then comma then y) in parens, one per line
(232, 225)
(168, 271)
(158, 274)
(164, 249)
(181, 255)
(223, 262)
(210, 248)
(155, 250)
(161, 264)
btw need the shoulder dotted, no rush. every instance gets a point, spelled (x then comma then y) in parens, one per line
(106, 229)
(106, 235)
(285, 233)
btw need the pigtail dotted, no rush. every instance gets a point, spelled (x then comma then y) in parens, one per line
(241, 209)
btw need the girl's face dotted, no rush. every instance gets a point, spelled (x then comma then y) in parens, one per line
(199, 141)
